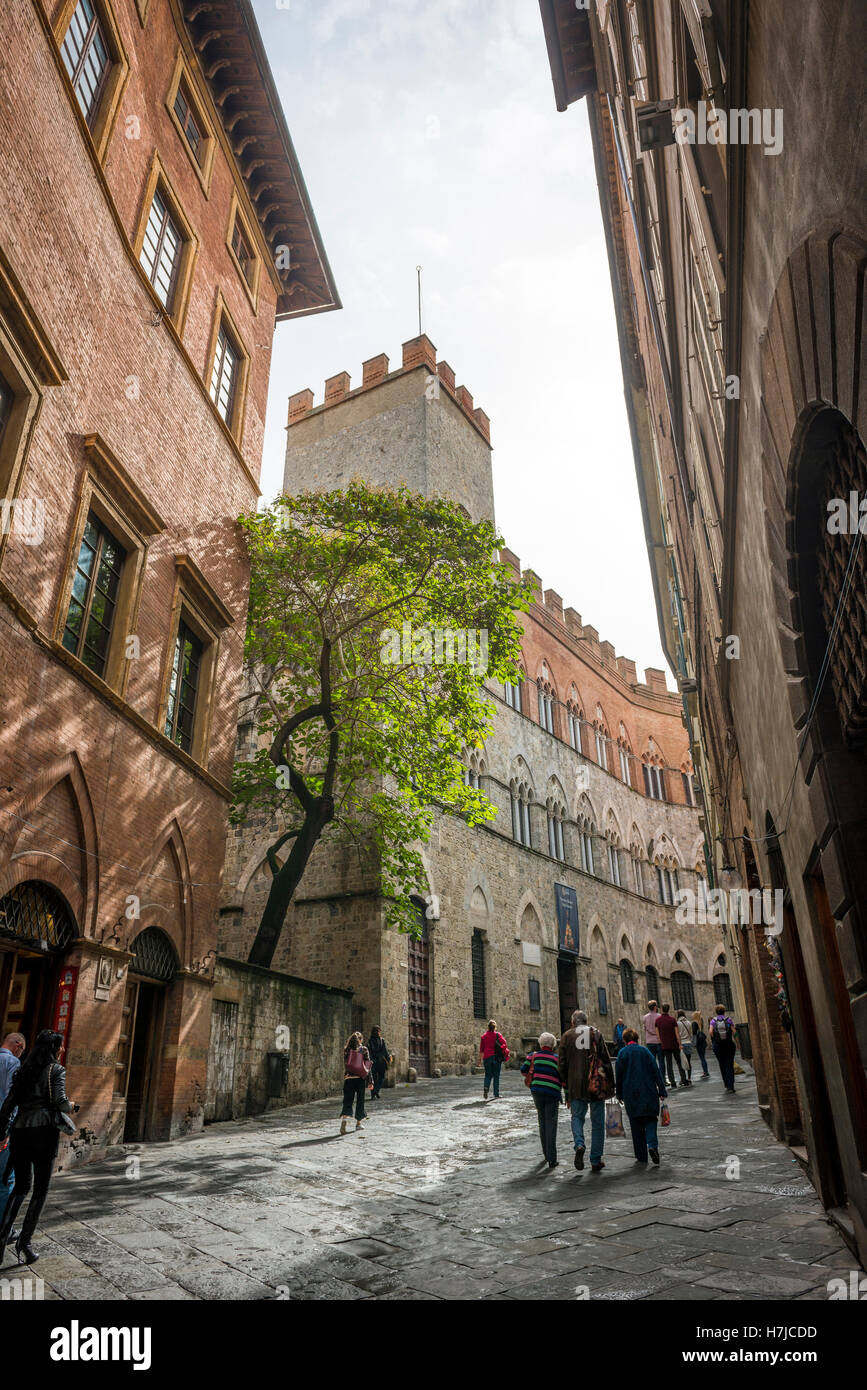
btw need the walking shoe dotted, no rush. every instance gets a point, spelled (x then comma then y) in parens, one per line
(486, 1095)
(654, 1154)
(343, 1126)
(597, 1167)
(554, 1163)
(358, 1124)
(579, 1159)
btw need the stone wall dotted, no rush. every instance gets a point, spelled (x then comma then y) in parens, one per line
(279, 1013)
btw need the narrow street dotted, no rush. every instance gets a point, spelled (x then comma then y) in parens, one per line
(443, 1196)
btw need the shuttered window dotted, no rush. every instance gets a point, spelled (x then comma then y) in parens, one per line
(480, 1003)
(722, 991)
(86, 58)
(651, 981)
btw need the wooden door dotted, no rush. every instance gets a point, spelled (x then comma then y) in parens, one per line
(221, 1058)
(567, 985)
(418, 988)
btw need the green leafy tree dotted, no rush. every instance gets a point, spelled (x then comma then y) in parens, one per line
(375, 617)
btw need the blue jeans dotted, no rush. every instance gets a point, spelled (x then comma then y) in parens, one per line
(643, 1129)
(701, 1049)
(597, 1126)
(492, 1073)
(7, 1178)
(656, 1050)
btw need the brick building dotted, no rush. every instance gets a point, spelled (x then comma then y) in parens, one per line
(588, 766)
(737, 261)
(154, 227)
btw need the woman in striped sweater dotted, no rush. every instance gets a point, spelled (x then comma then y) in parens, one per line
(544, 1070)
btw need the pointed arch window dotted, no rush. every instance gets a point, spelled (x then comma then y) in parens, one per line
(682, 990)
(651, 980)
(627, 982)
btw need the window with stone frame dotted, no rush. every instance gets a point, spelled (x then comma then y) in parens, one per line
(546, 705)
(651, 982)
(722, 990)
(86, 57)
(477, 960)
(841, 574)
(682, 991)
(512, 695)
(93, 601)
(184, 687)
(627, 982)
(162, 250)
(535, 993)
(91, 50)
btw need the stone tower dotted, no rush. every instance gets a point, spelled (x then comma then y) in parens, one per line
(409, 426)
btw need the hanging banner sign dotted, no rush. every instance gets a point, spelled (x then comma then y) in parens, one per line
(566, 900)
(63, 1005)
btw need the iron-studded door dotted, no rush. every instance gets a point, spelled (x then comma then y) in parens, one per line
(224, 1034)
(418, 986)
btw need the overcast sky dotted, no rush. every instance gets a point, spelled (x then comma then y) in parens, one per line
(427, 134)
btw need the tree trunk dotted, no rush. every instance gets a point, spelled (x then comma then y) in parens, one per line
(285, 881)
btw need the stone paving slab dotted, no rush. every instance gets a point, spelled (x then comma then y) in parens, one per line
(442, 1196)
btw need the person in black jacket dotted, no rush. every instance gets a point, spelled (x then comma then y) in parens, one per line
(379, 1055)
(38, 1091)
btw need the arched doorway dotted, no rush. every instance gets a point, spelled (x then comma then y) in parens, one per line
(37, 927)
(149, 975)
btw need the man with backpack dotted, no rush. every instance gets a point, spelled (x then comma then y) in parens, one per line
(588, 1079)
(722, 1040)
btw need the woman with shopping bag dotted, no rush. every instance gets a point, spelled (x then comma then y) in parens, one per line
(640, 1086)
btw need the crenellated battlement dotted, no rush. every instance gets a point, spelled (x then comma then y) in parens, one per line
(417, 352)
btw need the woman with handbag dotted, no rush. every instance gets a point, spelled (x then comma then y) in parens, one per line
(379, 1056)
(356, 1071)
(493, 1052)
(38, 1091)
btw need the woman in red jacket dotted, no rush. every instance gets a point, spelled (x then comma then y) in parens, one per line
(493, 1052)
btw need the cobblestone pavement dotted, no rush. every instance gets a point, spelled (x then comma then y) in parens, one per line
(442, 1195)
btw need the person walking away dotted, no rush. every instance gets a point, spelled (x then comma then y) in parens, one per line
(10, 1054)
(722, 1040)
(39, 1101)
(356, 1070)
(588, 1077)
(640, 1088)
(651, 1037)
(546, 1088)
(666, 1028)
(684, 1031)
(379, 1054)
(493, 1052)
(619, 1030)
(699, 1038)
